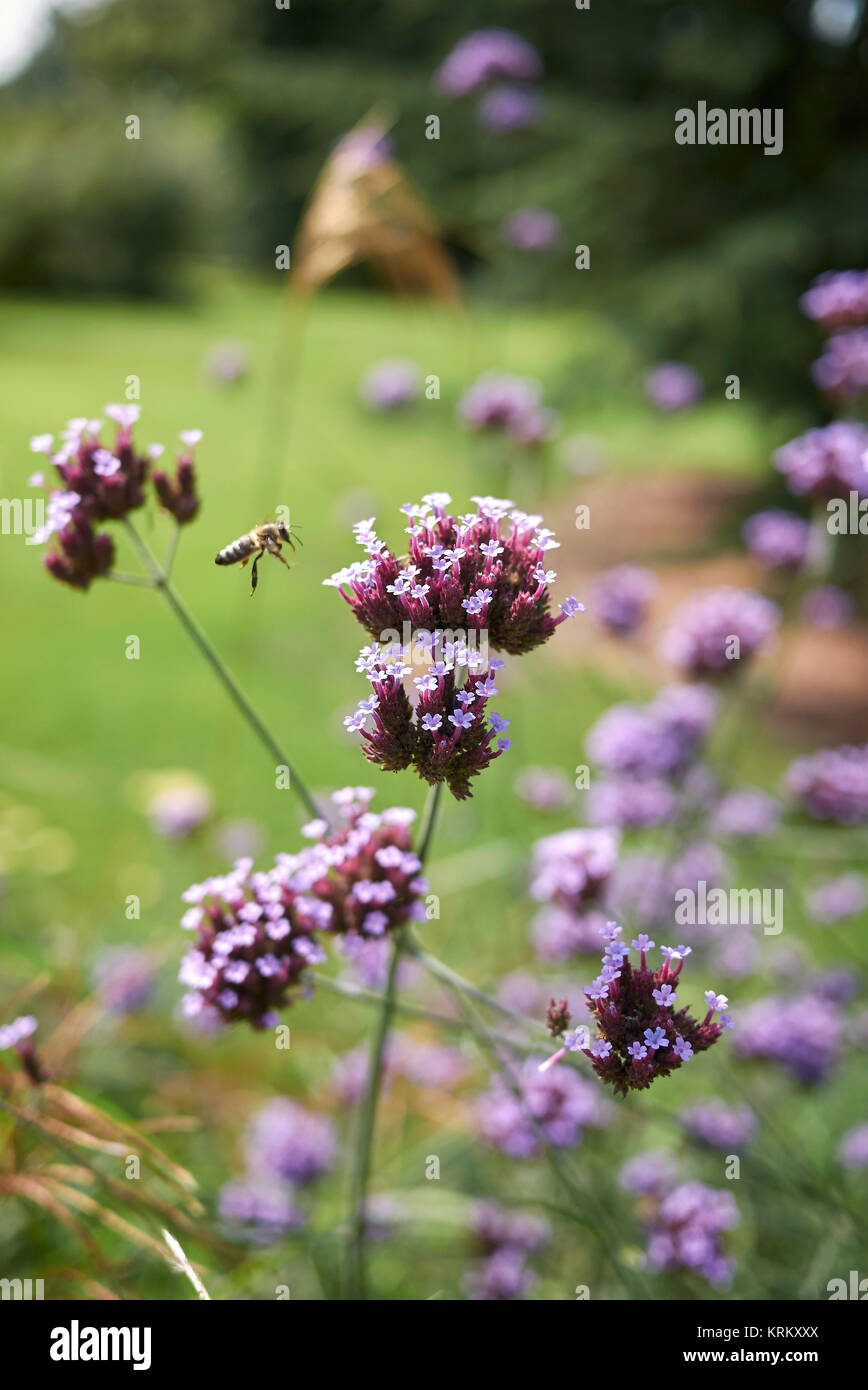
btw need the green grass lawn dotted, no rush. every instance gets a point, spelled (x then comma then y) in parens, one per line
(82, 721)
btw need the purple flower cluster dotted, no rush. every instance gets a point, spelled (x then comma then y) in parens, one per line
(641, 1036)
(853, 1150)
(285, 1147)
(559, 934)
(643, 750)
(839, 898)
(841, 371)
(447, 734)
(554, 1106)
(686, 1232)
(746, 812)
(531, 229)
(16, 1037)
(504, 1239)
(494, 56)
(718, 1126)
(497, 402)
(486, 55)
(710, 633)
(673, 386)
(103, 484)
(832, 784)
(621, 597)
(390, 384)
(802, 1034)
(778, 538)
(837, 299)
(826, 462)
(648, 1174)
(480, 573)
(256, 932)
(828, 607)
(505, 109)
(570, 870)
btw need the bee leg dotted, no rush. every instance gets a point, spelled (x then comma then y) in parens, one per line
(254, 577)
(281, 558)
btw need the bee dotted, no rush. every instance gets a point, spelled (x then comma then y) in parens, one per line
(262, 540)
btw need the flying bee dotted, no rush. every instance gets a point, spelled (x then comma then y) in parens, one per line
(262, 540)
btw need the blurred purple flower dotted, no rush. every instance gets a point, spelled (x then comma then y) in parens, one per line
(853, 1150)
(658, 739)
(486, 55)
(648, 1174)
(838, 899)
(828, 608)
(673, 386)
(391, 384)
(287, 1142)
(832, 784)
(262, 1208)
(503, 110)
(746, 812)
(503, 1277)
(826, 462)
(531, 229)
(227, 363)
(558, 1102)
(178, 806)
(717, 1125)
(841, 371)
(630, 803)
(837, 299)
(546, 789)
(686, 1229)
(571, 868)
(778, 538)
(802, 1034)
(560, 935)
(711, 633)
(620, 597)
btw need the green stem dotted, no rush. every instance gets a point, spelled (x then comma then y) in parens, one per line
(191, 627)
(455, 981)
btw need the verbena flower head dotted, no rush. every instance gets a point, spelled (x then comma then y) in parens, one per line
(838, 899)
(842, 369)
(572, 868)
(710, 634)
(486, 55)
(641, 1033)
(559, 934)
(502, 1278)
(832, 784)
(826, 462)
(853, 1150)
(494, 1228)
(554, 1106)
(447, 733)
(631, 803)
(531, 229)
(648, 1174)
(364, 870)
(837, 299)
(686, 1232)
(658, 739)
(802, 1034)
(390, 384)
(257, 932)
(498, 402)
(177, 495)
(747, 812)
(178, 805)
(255, 939)
(827, 607)
(260, 1208)
(286, 1141)
(509, 108)
(620, 598)
(673, 386)
(101, 481)
(484, 573)
(778, 538)
(719, 1126)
